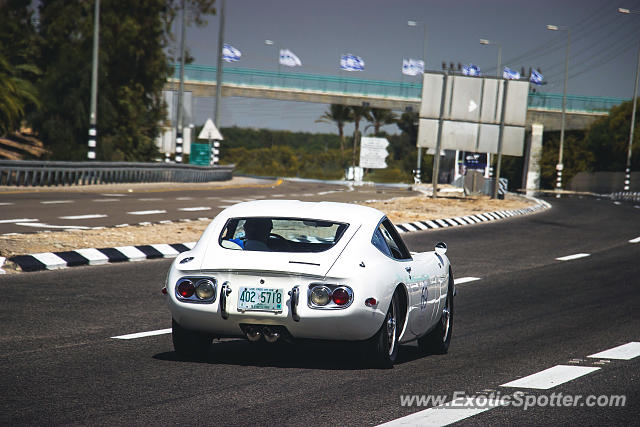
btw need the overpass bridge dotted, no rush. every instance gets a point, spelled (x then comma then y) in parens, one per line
(200, 80)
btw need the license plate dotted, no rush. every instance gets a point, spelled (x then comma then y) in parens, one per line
(260, 299)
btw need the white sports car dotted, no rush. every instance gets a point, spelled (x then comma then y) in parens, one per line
(285, 269)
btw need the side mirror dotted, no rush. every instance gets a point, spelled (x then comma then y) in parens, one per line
(441, 248)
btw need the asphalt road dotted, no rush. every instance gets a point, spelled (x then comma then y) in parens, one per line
(527, 312)
(28, 210)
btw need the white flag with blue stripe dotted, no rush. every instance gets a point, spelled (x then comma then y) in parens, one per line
(536, 77)
(350, 62)
(412, 67)
(230, 53)
(289, 58)
(510, 74)
(471, 70)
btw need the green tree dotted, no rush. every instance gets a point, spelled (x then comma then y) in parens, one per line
(381, 117)
(340, 115)
(133, 67)
(17, 70)
(576, 158)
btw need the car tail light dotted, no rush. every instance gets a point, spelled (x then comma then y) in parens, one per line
(205, 289)
(186, 288)
(341, 296)
(320, 295)
(370, 302)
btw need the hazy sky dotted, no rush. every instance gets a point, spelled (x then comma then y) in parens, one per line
(603, 53)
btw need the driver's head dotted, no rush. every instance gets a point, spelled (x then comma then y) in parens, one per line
(258, 228)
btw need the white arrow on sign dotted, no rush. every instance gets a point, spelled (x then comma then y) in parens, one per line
(210, 131)
(472, 105)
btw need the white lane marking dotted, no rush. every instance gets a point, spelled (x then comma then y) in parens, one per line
(143, 334)
(617, 203)
(94, 256)
(51, 260)
(152, 212)
(213, 197)
(6, 204)
(626, 351)
(574, 256)
(308, 195)
(462, 280)
(150, 199)
(9, 221)
(40, 225)
(194, 209)
(88, 216)
(636, 240)
(56, 202)
(224, 206)
(551, 377)
(113, 195)
(231, 201)
(106, 200)
(442, 415)
(184, 198)
(277, 195)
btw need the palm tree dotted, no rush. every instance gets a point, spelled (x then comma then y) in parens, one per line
(15, 94)
(358, 113)
(381, 117)
(340, 115)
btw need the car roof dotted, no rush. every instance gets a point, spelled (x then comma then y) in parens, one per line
(329, 211)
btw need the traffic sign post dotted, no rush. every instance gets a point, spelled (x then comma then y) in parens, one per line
(211, 133)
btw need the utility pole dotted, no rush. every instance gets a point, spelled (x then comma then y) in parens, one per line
(93, 132)
(216, 115)
(180, 118)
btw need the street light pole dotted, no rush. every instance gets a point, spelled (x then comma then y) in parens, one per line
(180, 118)
(627, 171)
(272, 43)
(489, 172)
(560, 166)
(411, 23)
(216, 114)
(93, 120)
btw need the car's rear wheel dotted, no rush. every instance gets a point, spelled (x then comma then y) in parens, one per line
(385, 342)
(437, 341)
(188, 343)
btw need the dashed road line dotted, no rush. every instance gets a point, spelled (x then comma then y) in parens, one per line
(151, 212)
(441, 415)
(88, 216)
(56, 202)
(462, 280)
(113, 195)
(150, 199)
(6, 204)
(184, 198)
(41, 225)
(194, 209)
(551, 377)
(626, 351)
(106, 200)
(143, 334)
(10, 221)
(571, 257)
(636, 240)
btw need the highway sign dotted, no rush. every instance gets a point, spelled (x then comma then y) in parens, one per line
(373, 152)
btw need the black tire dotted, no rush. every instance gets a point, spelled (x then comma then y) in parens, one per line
(437, 341)
(190, 344)
(385, 341)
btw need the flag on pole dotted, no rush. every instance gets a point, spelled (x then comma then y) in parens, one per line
(536, 77)
(412, 67)
(289, 58)
(510, 74)
(230, 53)
(350, 62)
(471, 70)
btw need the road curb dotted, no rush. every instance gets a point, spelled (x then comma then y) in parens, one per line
(410, 227)
(96, 256)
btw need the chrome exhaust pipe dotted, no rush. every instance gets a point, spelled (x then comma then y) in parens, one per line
(270, 336)
(253, 334)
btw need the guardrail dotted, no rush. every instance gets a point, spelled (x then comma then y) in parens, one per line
(48, 173)
(626, 196)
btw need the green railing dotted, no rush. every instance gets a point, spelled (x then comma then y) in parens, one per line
(590, 104)
(364, 87)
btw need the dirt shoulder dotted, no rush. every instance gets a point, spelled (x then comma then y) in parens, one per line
(399, 210)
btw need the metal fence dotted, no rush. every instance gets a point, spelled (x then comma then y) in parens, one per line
(40, 173)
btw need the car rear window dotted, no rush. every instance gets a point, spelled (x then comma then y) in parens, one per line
(281, 234)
